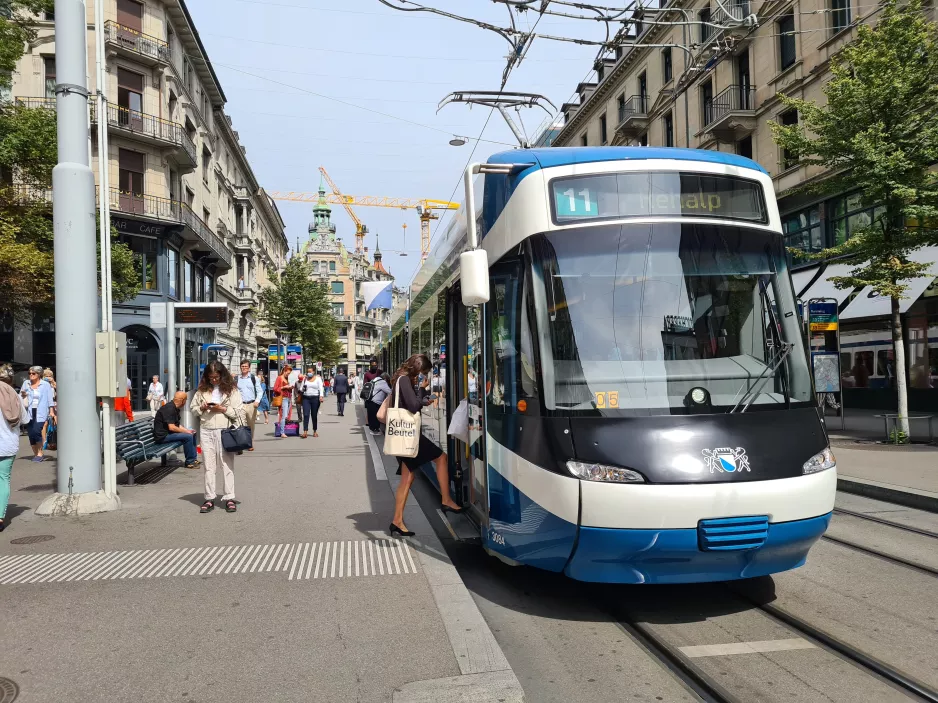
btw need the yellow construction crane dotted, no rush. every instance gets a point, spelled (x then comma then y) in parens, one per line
(426, 209)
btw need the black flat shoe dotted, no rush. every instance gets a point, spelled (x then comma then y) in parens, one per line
(394, 529)
(447, 509)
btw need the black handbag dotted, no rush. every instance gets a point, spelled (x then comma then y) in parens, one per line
(237, 439)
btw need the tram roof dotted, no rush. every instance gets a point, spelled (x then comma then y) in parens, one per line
(565, 156)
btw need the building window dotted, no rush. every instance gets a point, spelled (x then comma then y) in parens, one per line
(668, 129)
(129, 99)
(643, 139)
(620, 107)
(207, 288)
(744, 147)
(338, 309)
(705, 29)
(786, 40)
(332, 267)
(584, 141)
(840, 15)
(603, 132)
(706, 102)
(172, 264)
(668, 66)
(600, 71)
(343, 331)
(315, 267)
(48, 63)
(643, 93)
(144, 253)
(187, 280)
(338, 287)
(131, 167)
(789, 118)
(803, 230)
(848, 214)
(49, 16)
(130, 14)
(206, 163)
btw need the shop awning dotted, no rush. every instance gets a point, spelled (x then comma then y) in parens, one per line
(869, 304)
(823, 288)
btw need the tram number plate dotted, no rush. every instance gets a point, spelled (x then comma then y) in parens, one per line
(607, 399)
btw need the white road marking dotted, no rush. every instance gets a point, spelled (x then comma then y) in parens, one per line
(719, 650)
(376, 459)
(341, 559)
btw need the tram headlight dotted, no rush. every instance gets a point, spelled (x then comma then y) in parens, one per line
(601, 472)
(820, 462)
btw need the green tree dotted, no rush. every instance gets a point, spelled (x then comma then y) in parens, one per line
(295, 302)
(28, 153)
(878, 134)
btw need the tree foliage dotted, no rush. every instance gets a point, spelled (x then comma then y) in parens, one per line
(295, 302)
(28, 153)
(878, 135)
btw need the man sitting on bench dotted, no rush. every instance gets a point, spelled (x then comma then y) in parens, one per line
(166, 428)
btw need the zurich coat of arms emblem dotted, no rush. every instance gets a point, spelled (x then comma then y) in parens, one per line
(726, 460)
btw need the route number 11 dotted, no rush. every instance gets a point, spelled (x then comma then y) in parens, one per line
(585, 194)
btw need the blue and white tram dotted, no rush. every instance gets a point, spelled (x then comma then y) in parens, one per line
(641, 407)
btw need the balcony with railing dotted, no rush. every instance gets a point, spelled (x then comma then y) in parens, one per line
(137, 125)
(172, 211)
(731, 114)
(152, 130)
(136, 45)
(633, 117)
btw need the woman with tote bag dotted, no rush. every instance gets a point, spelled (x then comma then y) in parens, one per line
(405, 399)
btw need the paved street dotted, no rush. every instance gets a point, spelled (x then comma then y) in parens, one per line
(301, 597)
(298, 596)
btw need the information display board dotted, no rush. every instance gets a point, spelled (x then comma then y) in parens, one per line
(211, 315)
(822, 316)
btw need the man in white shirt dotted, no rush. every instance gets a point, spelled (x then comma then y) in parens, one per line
(250, 389)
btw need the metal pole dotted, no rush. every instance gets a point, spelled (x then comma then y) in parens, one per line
(171, 386)
(73, 212)
(181, 372)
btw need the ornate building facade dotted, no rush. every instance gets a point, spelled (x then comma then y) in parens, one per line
(360, 332)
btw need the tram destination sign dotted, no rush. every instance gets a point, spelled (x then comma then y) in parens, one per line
(211, 315)
(822, 316)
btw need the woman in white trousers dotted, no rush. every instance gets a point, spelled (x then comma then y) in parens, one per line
(217, 404)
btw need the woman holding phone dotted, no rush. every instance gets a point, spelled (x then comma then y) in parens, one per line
(217, 404)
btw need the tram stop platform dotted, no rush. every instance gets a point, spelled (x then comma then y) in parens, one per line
(298, 596)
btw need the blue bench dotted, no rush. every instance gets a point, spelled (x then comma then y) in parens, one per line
(136, 444)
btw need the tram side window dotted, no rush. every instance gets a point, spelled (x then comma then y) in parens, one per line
(511, 378)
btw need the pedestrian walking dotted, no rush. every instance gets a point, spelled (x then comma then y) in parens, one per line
(14, 414)
(156, 396)
(283, 389)
(313, 390)
(380, 390)
(40, 405)
(373, 371)
(251, 394)
(217, 404)
(167, 427)
(340, 386)
(264, 407)
(326, 384)
(406, 394)
(50, 426)
(353, 388)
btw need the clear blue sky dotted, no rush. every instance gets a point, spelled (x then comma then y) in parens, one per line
(368, 55)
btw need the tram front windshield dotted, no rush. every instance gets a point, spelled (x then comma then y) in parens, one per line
(637, 316)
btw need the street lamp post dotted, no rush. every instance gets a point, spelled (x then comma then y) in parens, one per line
(79, 484)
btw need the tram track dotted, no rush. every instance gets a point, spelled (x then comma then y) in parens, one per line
(883, 521)
(846, 651)
(882, 555)
(692, 677)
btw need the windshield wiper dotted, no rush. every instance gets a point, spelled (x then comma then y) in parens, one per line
(773, 364)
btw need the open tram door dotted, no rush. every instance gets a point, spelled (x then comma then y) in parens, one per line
(464, 361)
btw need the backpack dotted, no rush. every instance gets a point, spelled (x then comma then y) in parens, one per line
(368, 390)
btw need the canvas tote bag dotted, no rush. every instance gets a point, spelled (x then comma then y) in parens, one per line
(402, 432)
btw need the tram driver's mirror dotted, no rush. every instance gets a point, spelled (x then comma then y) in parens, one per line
(474, 277)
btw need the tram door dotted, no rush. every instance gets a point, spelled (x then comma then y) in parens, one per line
(464, 363)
